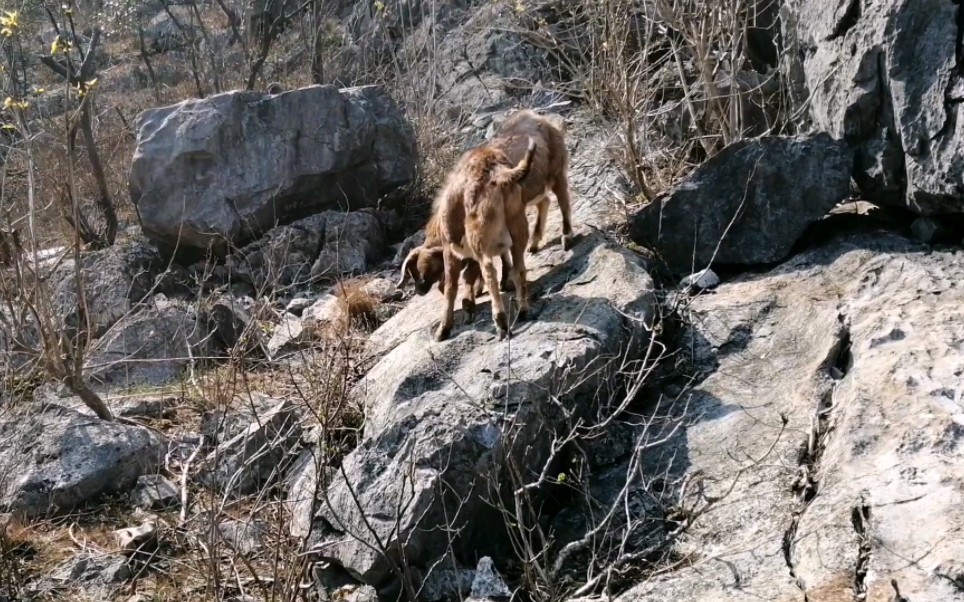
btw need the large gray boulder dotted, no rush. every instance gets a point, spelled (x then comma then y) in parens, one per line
(886, 76)
(322, 247)
(56, 459)
(442, 420)
(149, 348)
(114, 281)
(857, 346)
(748, 204)
(217, 172)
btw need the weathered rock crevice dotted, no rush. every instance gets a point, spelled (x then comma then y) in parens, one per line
(847, 21)
(806, 485)
(860, 518)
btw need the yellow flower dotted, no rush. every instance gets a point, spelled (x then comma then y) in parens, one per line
(9, 22)
(85, 87)
(10, 103)
(39, 91)
(56, 48)
(8, 126)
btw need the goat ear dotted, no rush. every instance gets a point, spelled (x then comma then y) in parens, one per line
(406, 267)
(521, 170)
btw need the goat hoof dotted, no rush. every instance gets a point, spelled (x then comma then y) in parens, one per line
(566, 242)
(523, 315)
(533, 249)
(469, 308)
(502, 323)
(443, 333)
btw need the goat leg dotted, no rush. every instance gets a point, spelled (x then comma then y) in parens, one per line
(453, 265)
(498, 307)
(519, 270)
(506, 285)
(539, 228)
(471, 283)
(561, 190)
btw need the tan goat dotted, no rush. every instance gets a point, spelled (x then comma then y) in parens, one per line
(482, 216)
(548, 172)
(425, 265)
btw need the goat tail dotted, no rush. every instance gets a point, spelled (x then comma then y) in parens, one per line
(521, 170)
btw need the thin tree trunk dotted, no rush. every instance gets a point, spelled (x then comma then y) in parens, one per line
(103, 198)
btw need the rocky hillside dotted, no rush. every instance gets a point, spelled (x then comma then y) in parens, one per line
(743, 381)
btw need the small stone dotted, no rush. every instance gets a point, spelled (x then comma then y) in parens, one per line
(702, 280)
(355, 593)
(288, 336)
(137, 539)
(297, 305)
(154, 492)
(244, 536)
(488, 584)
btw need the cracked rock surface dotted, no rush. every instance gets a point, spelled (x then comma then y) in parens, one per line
(856, 346)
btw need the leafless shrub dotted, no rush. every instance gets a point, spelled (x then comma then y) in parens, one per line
(674, 75)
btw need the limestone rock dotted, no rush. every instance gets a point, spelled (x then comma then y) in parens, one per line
(748, 204)
(149, 348)
(154, 492)
(593, 301)
(218, 171)
(856, 346)
(885, 77)
(58, 459)
(114, 281)
(488, 584)
(244, 536)
(258, 455)
(322, 247)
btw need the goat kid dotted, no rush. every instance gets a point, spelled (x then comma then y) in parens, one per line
(548, 172)
(482, 216)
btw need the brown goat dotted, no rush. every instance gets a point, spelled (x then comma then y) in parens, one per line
(482, 216)
(548, 172)
(425, 265)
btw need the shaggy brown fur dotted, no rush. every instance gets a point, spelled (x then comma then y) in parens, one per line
(481, 216)
(548, 172)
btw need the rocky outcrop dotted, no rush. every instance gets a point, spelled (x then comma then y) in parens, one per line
(150, 348)
(825, 431)
(748, 204)
(258, 455)
(171, 29)
(57, 459)
(114, 281)
(442, 420)
(887, 77)
(217, 172)
(319, 248)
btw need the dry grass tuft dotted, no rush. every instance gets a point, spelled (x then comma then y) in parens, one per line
(357, 307)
